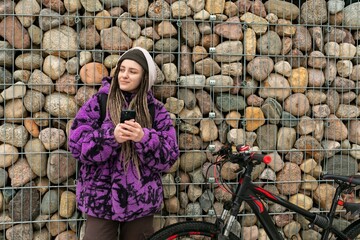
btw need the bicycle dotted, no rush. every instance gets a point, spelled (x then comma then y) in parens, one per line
(247, 191)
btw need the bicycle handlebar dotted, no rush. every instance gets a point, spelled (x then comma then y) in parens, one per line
(244, 155)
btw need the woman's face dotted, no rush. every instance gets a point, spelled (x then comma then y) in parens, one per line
(130, 75)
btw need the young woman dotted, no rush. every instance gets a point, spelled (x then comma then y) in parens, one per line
(119, 181)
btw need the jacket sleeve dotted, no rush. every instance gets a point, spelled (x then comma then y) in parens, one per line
(158, 149)
(89, 140)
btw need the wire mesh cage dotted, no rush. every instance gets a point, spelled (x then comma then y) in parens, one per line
(279, 76)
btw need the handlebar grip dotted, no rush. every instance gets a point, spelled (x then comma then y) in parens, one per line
(261, 158)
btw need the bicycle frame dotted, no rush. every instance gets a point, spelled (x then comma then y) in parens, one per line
(246, 189)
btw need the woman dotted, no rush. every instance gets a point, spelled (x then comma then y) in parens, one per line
(119, 182)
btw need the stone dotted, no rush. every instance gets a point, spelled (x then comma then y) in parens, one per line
(233, 118)
(189, 141)
(267, 137)
(290, 173)
(12, 31)
(49, 19)
(317, 35)
(67, 47)
(317, 60)
(311, 146)
(14, 110)
(254, 118)
(297, 104)
(292, 229)
(351, 19)
(260, 68)
(20, 173)
(6, 54)
(314, 12)
(31, 8)
(249, 44)
(72, 5)
(308, 165)
(9, 155)
(227, 102)
(258, 8)
(228, 51)
(230, 29)
(20, 231)
(286, 138)
(284, 28)
(269, 43)
(36, 156)
(67, 204)
(322, 194)
(283, 68)
(275, 86)
(60, 105)
(276, 163)
(18, 90)
(298, 80)
(282, 9)
(25, 197)
(258, 24)
(55, 226)
(208, 67)
(316, 78)
(315, 97)
(302, 201)
(13, 134)
(347, 51)
(52, 138)
(60, 166)
(302, 39)
(335, 6)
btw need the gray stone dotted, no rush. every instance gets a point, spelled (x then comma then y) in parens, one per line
(61, 165)
(5, 78)
(29, 197)
(288, 120)
(6, 54)
(272, 110)
(341, 165)
(228, 102)
(50, 202)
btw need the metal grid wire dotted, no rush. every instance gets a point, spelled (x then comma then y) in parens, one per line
(281, 77)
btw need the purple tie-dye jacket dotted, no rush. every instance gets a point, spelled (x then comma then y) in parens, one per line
(103, 189)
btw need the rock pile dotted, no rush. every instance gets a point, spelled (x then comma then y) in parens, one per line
(280, 77)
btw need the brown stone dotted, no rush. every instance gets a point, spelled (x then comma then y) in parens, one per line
(298, 80)
(254, 118)
(291, 173)
(92, 73)
(258, 8)
(231, 29)
(55, 5)
(13, 32)
(210, 40)
(31, 126)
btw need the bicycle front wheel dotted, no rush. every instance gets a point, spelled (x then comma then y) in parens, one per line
(191, 229)
(353, 230)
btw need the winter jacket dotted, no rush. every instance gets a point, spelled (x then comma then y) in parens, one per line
(103, 189)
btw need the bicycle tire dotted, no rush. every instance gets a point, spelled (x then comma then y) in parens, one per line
(188, 229)
(353, 230)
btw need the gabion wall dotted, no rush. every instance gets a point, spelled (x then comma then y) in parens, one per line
(279, 76)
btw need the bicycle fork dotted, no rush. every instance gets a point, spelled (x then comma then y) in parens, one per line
(232, 208)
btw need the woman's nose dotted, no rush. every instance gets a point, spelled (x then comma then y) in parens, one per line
(124, 74)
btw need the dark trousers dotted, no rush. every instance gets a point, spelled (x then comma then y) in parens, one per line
(103, 229)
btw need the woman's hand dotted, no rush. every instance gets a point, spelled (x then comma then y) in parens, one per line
(129, 130)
